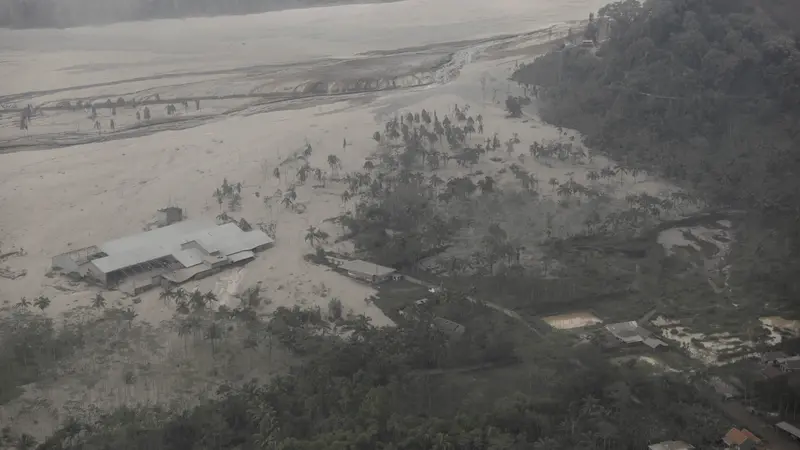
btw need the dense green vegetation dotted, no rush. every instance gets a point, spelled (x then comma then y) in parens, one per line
(705, 92)
(31, 347)
(381, 389)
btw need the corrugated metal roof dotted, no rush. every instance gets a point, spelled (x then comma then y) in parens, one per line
(364, 267)
(188, 257)
(626, 331)
(148, 246)
(159, 243)
(180, 276)
(241, 256)
(789, 428)
(653, 342)
(229, 239)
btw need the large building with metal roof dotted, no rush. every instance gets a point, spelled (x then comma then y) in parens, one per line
(175, 253)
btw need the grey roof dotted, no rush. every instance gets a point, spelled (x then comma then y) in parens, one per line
(364, 267)
(241, 256)
(628, 331)
(654, 343)
(155, 244)
(448, 326)
(229, 239)
(671, 445)
(771, 356)
(189, 257)
(792, 364)
(789, 428)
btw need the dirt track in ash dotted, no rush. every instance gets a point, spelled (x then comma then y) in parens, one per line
(226, 92)
(221, 93)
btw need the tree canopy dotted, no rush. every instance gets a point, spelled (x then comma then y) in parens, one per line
(704, 92)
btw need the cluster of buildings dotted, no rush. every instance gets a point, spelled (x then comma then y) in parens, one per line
(779, 363)
(632, 333)
(175, 253)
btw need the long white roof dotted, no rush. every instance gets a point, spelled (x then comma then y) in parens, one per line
(364, 267)
(161, 242)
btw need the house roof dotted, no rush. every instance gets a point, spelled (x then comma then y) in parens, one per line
(241, 256)
(671, 445)
(789, 428)
(772, 372)
(189, 257)
(735, 436)
(140, 248)
(448, 326)
(654, 343)
(770, 356)
(792, 363)
(628, 331)
(364, 267)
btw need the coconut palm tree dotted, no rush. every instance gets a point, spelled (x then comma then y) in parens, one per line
(335, 164)
(315, 235)
(564, 190)
(129, 314)
(486, 185)
(99, 301)
(186, 328)
(235, 201)
(42, 302)
(210, 297)
(23, 303)
(213, 333)
(435, 181)
(369, 165)
(346, 196)
(181, 296)
(223, 217)
(220, 197)
(26, 442)
(553, 183)
(166, 295)
(302, 173)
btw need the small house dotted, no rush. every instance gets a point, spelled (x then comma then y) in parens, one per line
(628, 332)
(772, 358)
(654, 343)
(367, 271)
(743, 439)
(791, 364)
(448, 327)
